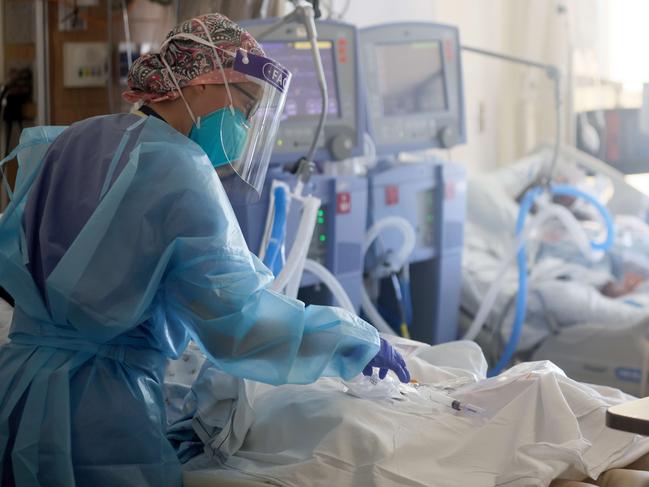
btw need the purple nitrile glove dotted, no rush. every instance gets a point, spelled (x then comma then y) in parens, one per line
(388, 359)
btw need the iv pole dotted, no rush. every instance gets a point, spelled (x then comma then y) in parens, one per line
(305, 13)
(553, 73)
(289, 278)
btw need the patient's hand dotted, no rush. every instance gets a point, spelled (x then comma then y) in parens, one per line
(626, 286)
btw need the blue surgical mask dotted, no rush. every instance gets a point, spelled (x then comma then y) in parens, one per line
(222, 135)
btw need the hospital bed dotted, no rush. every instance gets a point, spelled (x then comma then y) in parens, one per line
(223, 478)
(319, 434)
(538, 426)
(592, 337)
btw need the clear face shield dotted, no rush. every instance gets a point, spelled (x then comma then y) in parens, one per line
(265, 94)
(239, 138)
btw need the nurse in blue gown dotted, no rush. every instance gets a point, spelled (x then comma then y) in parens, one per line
(120, 245)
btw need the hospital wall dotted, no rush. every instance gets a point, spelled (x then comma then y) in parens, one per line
(516, 103)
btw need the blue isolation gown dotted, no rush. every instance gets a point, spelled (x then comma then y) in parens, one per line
(118, 246)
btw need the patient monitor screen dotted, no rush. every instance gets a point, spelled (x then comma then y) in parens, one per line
(411, 78)
(304, 97)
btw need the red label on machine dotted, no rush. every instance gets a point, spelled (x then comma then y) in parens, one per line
(343, 203)
(342, 50)
(391, 195)
(448, 49)
(449, 191)
(613, 151)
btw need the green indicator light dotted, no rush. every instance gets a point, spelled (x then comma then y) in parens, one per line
(320, 212)
(320, 220)
(322, 237)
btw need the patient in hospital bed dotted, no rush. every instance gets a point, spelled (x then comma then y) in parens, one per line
(537, 426)
(565, 288)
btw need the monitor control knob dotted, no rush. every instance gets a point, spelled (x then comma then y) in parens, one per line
(341, 146)
(447, 136)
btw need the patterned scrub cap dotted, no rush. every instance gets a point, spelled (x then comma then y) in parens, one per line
(192, 63)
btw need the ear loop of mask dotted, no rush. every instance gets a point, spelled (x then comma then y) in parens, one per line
(218, 60)
(197, 122)
(195, 38)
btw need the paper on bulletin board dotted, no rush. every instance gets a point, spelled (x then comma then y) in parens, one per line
(85, 64)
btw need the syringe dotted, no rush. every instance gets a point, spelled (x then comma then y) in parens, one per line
(446, 400)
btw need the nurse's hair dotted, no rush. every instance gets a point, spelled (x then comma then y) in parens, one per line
(191, 62)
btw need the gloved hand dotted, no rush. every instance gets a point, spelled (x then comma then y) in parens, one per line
(388, 359)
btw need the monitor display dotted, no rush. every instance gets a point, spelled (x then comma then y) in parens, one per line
(411, 78)
(303, 98)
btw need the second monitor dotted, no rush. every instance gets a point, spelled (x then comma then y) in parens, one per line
(413, 80)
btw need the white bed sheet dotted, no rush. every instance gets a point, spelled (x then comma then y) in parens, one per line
(540, 426)
(221, 478)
